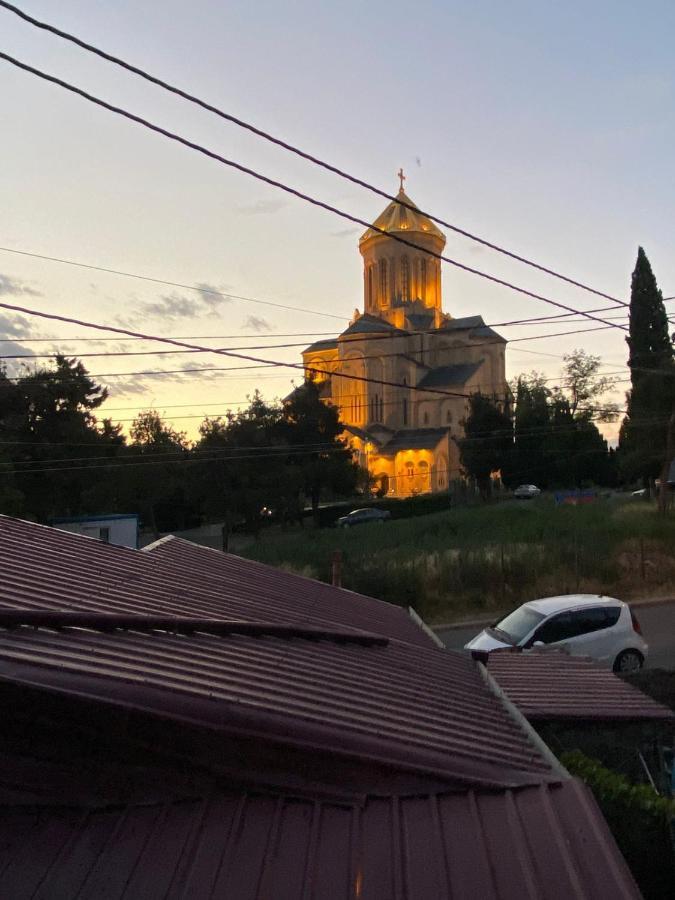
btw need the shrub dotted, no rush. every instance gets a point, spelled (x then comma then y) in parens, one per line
(639, 819)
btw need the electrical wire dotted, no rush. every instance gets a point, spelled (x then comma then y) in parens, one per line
(353, 340)
(533, 320)
(142, 73)
(229, 353)
(246, 170)
(166, 462)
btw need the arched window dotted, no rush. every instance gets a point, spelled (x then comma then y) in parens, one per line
(423, 278)
(383, 282)
(405, 278)
(426, 418)
(370, 286)
(405, 410)
(448, 416)
(410, 469)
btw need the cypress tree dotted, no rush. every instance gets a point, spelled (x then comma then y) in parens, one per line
(644, 433)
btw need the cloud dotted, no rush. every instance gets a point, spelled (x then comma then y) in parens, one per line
(15, 368)
(262, 207)
(256, 323)
(133, 386)
(10, 287)
(207, 301)
(344, 232)
(171, 306)
(212, 298)
(13, 325)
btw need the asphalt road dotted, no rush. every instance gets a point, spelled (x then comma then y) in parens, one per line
(658, 629)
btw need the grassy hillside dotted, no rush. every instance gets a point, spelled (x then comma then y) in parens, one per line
(478, 559)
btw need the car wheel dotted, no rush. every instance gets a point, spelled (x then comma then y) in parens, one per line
(628, 661)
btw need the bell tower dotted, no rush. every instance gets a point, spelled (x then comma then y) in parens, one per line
(401, 280)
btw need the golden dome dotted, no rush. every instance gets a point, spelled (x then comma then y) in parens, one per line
(399, 218)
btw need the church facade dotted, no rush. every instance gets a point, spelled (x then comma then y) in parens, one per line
(403, 370)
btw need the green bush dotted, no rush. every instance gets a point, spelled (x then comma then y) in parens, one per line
(640, 820)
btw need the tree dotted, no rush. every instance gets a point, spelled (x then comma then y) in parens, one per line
(240, 466)
(644, 433)
(153, 480)
(54, 439)
(528, 458)
(556, 442)
(311, 429)
(583, 384)
(487, 443)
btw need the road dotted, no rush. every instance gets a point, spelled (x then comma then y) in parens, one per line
(658, 629)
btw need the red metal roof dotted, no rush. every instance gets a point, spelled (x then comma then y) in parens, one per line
(555, 685)
(45, 568)
(542, 843)
(304, 676)
(411, 705)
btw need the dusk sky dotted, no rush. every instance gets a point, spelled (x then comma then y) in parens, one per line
(546, 128)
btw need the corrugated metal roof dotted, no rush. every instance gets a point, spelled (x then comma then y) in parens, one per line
(417, 709)
(554, 685)
(45, 568)
(542, 843)
(414, 706)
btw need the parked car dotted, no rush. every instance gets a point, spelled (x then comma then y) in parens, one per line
(363, 516)
(526, 492)
(603, 628)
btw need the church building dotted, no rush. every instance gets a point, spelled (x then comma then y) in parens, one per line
(403, 370)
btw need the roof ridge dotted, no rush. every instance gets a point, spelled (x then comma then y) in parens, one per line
(107, 622)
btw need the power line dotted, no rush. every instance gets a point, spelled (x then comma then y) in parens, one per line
(165, 283)
(270, 363)
(290, 147)
(129, 452)
(229, 353)
(533, 320)
(166, 462)
(183, 337)
(246, 170)
(353, 340)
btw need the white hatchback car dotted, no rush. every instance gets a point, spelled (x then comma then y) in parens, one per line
(603, 628)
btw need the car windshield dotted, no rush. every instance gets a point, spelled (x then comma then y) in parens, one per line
(519, 623)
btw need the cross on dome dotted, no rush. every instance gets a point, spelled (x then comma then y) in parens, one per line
(401, 176)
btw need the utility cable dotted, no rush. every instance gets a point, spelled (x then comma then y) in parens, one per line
(142, 73)
(353, 340)
(246, 170)
(229, 353)
(177, 284)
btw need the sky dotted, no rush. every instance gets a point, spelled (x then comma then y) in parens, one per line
(545, 128)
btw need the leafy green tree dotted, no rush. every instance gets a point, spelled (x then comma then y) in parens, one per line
(322, 460)
(528, 458)
(240, 468)
(583, 384)
(53, 437)
(644, 434)
(487, 443)
(153, 481)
